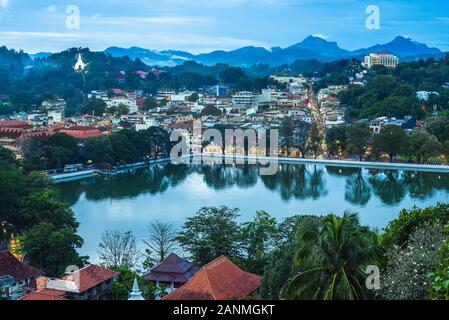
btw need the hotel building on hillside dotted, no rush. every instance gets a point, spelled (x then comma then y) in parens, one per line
(381, 59)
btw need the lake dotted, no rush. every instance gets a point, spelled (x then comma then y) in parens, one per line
(172, 193)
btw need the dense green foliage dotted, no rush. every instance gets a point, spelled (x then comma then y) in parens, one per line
(46, 228)
(392, 92)
(333, 253)
(122, 147)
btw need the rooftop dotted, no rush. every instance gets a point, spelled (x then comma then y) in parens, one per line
(10, 266)
(172, 269)
(220, 279)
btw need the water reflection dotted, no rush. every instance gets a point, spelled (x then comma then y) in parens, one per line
(292, 181)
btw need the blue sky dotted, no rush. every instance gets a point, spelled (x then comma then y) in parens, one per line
(206, 25)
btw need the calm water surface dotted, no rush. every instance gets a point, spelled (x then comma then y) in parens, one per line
(174, 192)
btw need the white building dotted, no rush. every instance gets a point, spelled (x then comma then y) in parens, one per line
(425, 95)
(116, 101)
(56, 116)
(244, 98)
(381, 59)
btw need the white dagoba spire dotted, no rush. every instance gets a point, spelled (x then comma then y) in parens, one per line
(80, 65)
(135, 294)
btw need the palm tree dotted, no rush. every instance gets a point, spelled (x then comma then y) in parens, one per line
(333, 253)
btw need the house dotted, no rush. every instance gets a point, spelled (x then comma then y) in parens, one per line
(220, 279)
(172, 272)
(16, 278)
(45, 294)
(89, 283)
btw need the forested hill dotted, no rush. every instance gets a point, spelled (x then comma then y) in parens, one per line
(393, 92)
(26, 83)
(13, 61)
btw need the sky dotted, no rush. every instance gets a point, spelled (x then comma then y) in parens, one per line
(206, 25)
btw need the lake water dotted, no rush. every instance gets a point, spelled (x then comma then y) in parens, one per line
(171, 193)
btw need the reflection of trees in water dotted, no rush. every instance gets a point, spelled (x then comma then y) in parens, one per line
(420, 184)
(297, 181)
(389, 187)
(291, 181)
(153, 180)
(221, 176)
(357, 190)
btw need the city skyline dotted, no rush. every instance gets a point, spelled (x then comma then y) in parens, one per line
(204, 26)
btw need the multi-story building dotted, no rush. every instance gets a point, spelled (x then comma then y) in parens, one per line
(245, 98)
(381, 59)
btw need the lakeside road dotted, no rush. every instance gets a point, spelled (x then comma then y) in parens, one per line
(63, 177)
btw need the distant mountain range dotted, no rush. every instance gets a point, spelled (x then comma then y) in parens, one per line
(310, 48)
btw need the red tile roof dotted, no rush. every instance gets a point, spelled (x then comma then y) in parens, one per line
(10, 132)
(14, 124)
(82, 132)
(172, 269)
(90, 276)
(220, 279)
(45, 294)
(10, 266)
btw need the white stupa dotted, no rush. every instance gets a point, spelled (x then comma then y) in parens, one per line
(80, 66)
(135, 294)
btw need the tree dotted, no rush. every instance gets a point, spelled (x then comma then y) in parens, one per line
(51, 249)
(439, 127)
(61, 149)
(99, 150)
(232, 75)
(301, 134)
(7, 159)
(286, 134)
(259, 242)
(406, 275)
(439, 287)
(336, 140)
(156, 141)
(316, 139)
(150, 103)
(121, 109)
(391, 140)
(358, 136)
(194, 97)
(280, 266)
(96, 107)
(334, 253)
(422, 145)
(400, 229)
(160, 242)
(210, 110)
(118, 250)
(212, 232)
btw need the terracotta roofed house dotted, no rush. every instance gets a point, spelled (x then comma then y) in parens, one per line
(89, 283)
(220, 279)
(45, 294)
(173, 271)
(23, 277)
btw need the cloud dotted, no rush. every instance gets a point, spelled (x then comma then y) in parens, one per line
(322, 36)
(51, 9)
(161, 20)
(4, 3)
